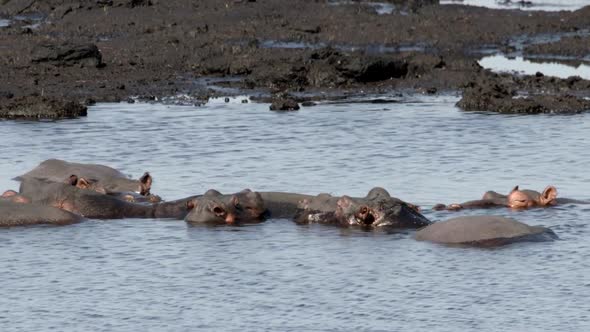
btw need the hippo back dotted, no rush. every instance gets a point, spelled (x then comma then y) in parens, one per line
(484, 231)
(19, 214)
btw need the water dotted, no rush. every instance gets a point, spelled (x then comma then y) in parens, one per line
(501, 63)
(161, 275)
(4, 23)
(381, 8)
(544, 5)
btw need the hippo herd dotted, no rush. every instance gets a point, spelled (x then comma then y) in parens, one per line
(58, 192)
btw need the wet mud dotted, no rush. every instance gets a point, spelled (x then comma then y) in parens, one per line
(99, 51)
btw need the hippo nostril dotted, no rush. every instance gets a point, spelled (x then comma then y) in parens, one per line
(369, 219)
(218, 211)
(364, 210)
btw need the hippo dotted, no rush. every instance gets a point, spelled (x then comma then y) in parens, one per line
(286, 205)
(24, 214)
(103, 178)
(377, 209)
(485, 231)
(516, 199)
(211, 210)
(245, 206)
(82, 202)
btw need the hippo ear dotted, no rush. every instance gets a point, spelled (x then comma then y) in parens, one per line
(514, 189)
(345, 202)
(9, 193)
(303, 204)
(212, 193)
(548, 196)
(234, 200)
(191, 204)
(72, 180)
(83, 183)
(146, 183)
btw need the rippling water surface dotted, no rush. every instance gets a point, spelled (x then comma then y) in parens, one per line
(161, 275)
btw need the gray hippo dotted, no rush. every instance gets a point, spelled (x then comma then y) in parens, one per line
(245, 206)
(516, 199)
(24, 214)
(377, 209)
(86, 203)
(98, 177)
(286, 205)
(486, 231)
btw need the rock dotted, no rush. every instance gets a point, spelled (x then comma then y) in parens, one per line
(284, 104)
(61, 11)
(494, 96)
(33, 107)
(68, 55)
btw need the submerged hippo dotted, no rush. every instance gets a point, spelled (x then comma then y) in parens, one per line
(19, 214)
(483, 231)
(98, 177)
(242, 207)
(516, 199)
(377, 209)
(86, 203)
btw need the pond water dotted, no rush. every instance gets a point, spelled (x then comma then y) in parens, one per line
(501, 63)
(161, 275)
(544, 5)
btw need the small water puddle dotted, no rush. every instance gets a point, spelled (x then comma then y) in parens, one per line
(369, 48)
(501, 63)
(381, 8)
(4, 23)
(543, 5)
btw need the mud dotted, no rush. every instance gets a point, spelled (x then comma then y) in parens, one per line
(100, 51)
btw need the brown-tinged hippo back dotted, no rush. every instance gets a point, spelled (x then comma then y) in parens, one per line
(19, 214)
(484, 231)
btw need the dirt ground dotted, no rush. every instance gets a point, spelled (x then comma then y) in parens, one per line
(56, 52)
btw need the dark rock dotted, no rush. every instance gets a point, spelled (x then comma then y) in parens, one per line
(33, 107)
(61, 11)
(6, 95)
(284, 104)
(496, 97)
(68, 55)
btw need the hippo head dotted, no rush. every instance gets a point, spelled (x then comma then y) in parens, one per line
(248, 204)
(210, 210)
(88, 184)
(523, 199)
(379, 212)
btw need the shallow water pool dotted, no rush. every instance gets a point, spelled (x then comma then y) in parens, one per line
(161, 275)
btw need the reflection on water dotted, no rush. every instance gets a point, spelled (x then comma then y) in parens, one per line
(4, 23)
(501, 63)
(544, 5)
(381, 8)
(160, 275)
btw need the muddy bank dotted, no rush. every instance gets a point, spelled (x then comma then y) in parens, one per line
(86, 51)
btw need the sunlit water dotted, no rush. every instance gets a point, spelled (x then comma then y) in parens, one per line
(501, 63)
(543, 5)
(161, 275)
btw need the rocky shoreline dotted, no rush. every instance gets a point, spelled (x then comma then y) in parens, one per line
(61, 55)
